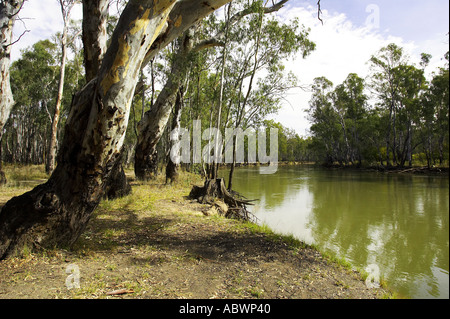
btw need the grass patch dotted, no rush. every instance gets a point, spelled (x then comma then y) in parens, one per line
(141, 199)
(289, 240)
(342, 262)
(25, 173)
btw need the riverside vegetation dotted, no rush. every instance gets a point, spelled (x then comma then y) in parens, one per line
(156, 243)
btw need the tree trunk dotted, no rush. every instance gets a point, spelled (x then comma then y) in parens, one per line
(8, 13)
(427, 146)
(388, 138)
(3, 179)
(241, 111)
(117, 185)
(152, 126)
(395, 142)
(172, 168)
(409, 144)
(50, 164)
(222, 76)
(230, 176)
(441, 148)
(95, 14)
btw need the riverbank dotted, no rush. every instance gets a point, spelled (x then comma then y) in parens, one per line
(420, 170)
(156, 243)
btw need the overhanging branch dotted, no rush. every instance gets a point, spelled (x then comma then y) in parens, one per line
(181, 18)
(209, 43)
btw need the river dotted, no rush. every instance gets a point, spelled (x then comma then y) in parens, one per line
(396, 225)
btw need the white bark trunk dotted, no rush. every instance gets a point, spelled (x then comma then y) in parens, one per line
(54, 128)
(8, 13)
(95, 14)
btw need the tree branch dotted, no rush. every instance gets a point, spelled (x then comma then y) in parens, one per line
(182, 16)
(12, 43)
(249, 11)
(319, 12)
(209, 43)
(171, 31)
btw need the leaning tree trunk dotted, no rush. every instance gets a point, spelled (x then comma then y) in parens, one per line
(3, 179)
(56, 213)
(152, 126)
(8, 13)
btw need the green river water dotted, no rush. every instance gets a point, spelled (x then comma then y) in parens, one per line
(392, 224)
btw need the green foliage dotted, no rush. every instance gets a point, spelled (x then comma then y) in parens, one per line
(291, 147)
(33, 76)
(34, 82)
(410, 115)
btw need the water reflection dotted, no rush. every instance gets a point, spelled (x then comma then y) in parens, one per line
(398, 222)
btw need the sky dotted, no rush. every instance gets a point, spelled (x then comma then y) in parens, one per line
(352, 31)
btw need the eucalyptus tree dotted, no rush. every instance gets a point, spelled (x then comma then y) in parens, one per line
(440, 89)
(385, 83)
(34, 85)
(255, 72)
(173, 165)
(66, 8)
(9, 10)
(399, 86)
(435, 117)
(95, 37)
(152, 125)
(325, 124)
(56, 213)
(412, 86)
(350, 104)
(347, 130)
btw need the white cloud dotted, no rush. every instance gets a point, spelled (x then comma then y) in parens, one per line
(341, 48)
(43, 19)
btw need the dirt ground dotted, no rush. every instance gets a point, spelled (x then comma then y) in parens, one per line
(172, 247)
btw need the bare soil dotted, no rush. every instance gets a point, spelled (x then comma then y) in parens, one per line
(172, 247)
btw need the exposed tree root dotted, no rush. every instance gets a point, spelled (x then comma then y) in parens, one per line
(214, 193)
